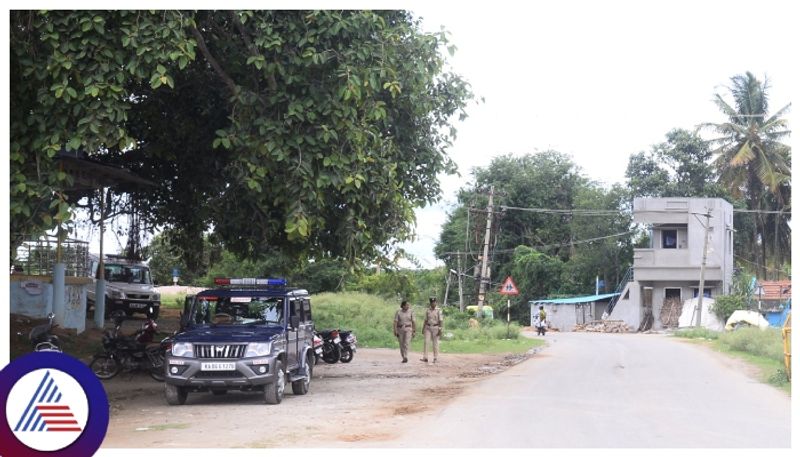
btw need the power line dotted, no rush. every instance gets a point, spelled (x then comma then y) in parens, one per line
(548, 246)
(573, 212)
(758, 264)
(604, 212)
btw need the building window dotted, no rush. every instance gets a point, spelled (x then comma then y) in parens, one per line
(706, 292)
(669, 239)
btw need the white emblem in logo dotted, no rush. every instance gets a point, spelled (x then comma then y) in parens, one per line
(47, 409)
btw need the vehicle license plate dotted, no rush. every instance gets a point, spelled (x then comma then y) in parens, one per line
(217, 366)
(337, 340)
(138, 305)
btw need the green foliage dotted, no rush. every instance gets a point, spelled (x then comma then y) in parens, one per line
(283, 132)
(766, 343)
(547, 180)
(725, 305)
(368, 315)
(754, 163)
(678, 167)
(697, 332)
(391, 285)
(371, 318)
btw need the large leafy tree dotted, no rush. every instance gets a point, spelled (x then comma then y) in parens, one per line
(572, 244)
(307, 133)
(678, 167)
(755, 164)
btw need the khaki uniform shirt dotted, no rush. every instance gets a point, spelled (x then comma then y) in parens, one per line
(404, 320)
(433, 317)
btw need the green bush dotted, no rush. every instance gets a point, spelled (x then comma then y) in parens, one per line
(766, 343)
(725, 305)
(371, 318)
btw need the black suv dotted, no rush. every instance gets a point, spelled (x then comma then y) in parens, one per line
(252, 334)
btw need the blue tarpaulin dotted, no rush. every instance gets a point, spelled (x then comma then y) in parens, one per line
(573, 300)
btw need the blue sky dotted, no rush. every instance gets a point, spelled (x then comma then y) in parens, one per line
(598, 80)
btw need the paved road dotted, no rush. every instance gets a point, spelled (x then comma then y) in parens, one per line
(612, 391)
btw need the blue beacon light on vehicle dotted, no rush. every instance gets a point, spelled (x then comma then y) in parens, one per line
(250, 281)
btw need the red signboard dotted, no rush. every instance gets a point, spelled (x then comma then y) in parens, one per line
(508, 287)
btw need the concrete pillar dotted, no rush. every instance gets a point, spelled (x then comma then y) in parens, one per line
(100, 302)
(59, 292)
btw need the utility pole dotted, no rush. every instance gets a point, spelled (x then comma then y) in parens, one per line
(447, 287)
(703, 268)
(460, 284)
(485, 260)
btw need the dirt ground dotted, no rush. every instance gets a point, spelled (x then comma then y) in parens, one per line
(370, 399)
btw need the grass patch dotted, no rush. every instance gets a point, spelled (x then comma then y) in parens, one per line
(371, 318)
(697, 332)
(479, 346)
(173, 301)
(762, 348)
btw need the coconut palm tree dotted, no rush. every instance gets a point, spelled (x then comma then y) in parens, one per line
(752, 160)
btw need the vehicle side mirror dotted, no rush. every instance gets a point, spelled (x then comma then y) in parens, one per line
(294, 321)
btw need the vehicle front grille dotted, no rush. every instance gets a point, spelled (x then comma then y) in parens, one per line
(218, 374)
(219, 351)
(138, 296)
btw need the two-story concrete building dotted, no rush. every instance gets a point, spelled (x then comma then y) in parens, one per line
(667, 273)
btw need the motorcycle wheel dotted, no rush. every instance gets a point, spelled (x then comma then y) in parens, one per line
(104, 366)
(347, 355)
(332, 355)
(157, 370)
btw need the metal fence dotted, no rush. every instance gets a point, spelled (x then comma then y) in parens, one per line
(38, 256)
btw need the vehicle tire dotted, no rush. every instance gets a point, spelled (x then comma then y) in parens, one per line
(333, 355)
(128, 312)
(219, 392)
(300, 387)
(347, 355)
(104, 366)
(176, 395)
(156, 310)
(273, 392)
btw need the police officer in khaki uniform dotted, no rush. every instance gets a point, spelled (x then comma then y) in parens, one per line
(432, 329)
(405, 328)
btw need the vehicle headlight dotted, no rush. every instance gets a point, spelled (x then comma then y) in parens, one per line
(182, 350)
(116, 294)
(156, 297)
(258, 349)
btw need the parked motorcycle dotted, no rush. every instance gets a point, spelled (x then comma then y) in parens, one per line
(348, 345)
(42, 340)
(317, 348)
(131, 353)
(331, 346)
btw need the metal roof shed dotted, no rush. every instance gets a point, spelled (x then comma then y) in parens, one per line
(564, 313)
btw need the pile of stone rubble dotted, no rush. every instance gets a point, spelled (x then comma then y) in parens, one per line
(603, 327)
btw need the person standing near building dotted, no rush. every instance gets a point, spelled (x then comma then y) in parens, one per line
(432, 329)
(405, 328)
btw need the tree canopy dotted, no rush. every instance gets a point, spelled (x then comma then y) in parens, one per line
(537, 238)
(307, 133)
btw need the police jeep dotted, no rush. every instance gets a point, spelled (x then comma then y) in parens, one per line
(250, 334)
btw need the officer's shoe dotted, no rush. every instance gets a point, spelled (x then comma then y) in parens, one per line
(423, 360)
(405, 360)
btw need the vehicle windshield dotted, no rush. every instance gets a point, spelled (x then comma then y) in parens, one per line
(134, 274)
(255, 310)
